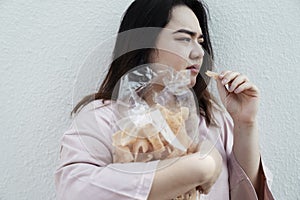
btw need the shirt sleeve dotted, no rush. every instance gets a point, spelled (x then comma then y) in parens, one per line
(86, 170)
(239, 183)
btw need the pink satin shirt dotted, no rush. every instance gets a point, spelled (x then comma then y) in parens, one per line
(86, 170)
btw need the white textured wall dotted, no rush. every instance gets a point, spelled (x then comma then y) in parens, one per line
(45, 44)
(262, 39)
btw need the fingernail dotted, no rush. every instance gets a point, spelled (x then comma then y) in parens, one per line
(237, 90)
(224, 81)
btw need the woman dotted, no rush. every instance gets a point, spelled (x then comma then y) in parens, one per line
(232, 170)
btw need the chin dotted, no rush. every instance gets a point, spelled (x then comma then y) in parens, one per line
(192, 83)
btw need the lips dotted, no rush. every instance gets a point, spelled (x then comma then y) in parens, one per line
(194, 68)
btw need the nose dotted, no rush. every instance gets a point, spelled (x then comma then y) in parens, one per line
(197, 52)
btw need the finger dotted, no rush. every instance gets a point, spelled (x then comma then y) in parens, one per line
(236, 82)
(248, 88)
(206, 189)
(229, 76)
(199, 189)
(221, 89)
(223, 73)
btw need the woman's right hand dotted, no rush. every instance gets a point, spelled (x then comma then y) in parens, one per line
(208, 167)
(177, 176)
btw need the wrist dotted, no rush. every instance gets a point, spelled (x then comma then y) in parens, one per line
(245, 123)
(244, 130)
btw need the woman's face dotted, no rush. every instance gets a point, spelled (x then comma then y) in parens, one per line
(179, 43)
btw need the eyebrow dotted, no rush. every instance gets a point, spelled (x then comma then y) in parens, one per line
(191, 33)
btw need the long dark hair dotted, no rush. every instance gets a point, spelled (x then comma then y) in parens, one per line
(143, 14)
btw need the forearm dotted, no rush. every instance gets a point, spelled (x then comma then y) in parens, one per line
(246, 151)
(172, 179)
(186, 173)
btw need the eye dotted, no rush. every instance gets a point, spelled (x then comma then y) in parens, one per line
(184, 39)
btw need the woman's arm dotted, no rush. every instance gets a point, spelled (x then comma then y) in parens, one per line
(178, 176)
(246, 151)
(241, 101)
(83, 174)
(81, 177)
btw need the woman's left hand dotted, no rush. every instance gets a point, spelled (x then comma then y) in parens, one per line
(241, 98)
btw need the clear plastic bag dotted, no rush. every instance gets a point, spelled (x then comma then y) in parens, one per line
(158, 118)
(158, 115)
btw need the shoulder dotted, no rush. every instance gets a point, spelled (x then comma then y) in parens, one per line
(90, 134)
(96, 108)
(96, 115)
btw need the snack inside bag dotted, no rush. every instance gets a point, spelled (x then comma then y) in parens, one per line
(158, 116)
(162, 135)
